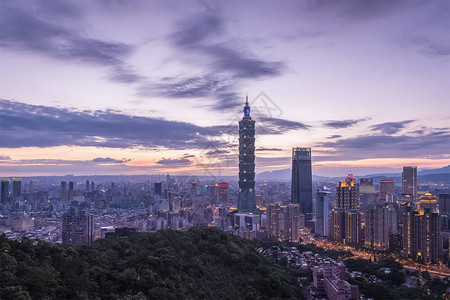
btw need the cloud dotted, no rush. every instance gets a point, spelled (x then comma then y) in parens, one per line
(428, 46)
(174, 162)
(218, 151)
(5, 157)
(110, 160)
(335, 136)
(338, 124)
(390, 127)
(226, 61)
(25, 125)
(430, 145)
(267, 125)
(26, 30)
(268, 149)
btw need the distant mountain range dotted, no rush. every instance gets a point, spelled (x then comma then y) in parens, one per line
(440, 174)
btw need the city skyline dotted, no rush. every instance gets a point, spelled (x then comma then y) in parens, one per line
(114, 88)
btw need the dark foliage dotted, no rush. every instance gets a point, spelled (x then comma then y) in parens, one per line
(202, 263)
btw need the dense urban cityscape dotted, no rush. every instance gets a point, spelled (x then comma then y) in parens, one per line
(407, 221)
(154, 150)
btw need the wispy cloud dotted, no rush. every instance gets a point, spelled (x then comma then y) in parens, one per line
(26, 30)
(25, 125)
(226, 63)
(390, 127)
(338, 124)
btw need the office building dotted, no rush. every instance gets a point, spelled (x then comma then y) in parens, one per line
(301, 190)
(4, 193)
(409, 181)
(70, 193)
(63, 191)
(246, 193)
(366, 193)
(77, 228)
(222, 192)
(87, 186)
(158, 188)
(322, 212)
(17, 187)
(387, 190)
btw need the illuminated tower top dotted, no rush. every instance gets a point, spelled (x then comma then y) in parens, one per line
(246, 106)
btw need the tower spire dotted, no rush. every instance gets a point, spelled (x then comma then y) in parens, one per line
(246, 106)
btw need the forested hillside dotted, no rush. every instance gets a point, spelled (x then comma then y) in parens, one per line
(202, 263)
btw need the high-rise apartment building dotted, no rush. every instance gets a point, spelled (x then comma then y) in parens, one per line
(285, 221)
(409, 181)
(347, 194)
(77, 228)
(346, 217)
(381, 223)
(322, 212)
(444, 203)
(246, 193)
(422, 230)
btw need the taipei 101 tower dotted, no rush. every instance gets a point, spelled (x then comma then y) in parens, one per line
(246, 197)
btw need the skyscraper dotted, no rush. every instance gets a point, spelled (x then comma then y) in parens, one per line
(5, 190)
(347, 194)
(222, 192)
(346, 218)
(426, 230)
(87, 186)
(366, 193)
(158, 188)
(63, 191)
(387, 190)
(17, 187)
(301, 192)
(322, 212)
(381, 222)
(70, 194)
(246, 196)
(409, 181)
(444, 203)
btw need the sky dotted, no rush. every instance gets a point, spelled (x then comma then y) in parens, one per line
(155, 87)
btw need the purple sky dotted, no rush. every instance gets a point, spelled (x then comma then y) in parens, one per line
(144, 87)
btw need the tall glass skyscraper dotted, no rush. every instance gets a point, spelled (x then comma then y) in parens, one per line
(246, 197)
(302, 180)
(409, 181)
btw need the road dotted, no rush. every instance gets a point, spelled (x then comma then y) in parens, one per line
(440, 270)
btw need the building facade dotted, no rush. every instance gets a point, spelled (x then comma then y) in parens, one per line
(409, 181)
(301, 189)
(322, 212)
(246, 193)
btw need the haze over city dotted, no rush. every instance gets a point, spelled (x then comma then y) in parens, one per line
(108, 87)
